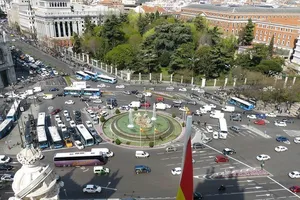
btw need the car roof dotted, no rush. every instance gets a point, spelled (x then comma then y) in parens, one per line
(140, 166)
(90, 186)
(2, 156)
(177, 168)
(228, 149)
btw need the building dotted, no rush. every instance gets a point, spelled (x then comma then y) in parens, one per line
(7, 69)
(55, 21)
(34, 180)
(296, 56)
(283, 23)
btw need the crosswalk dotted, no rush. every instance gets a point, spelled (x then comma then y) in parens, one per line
(292, 133)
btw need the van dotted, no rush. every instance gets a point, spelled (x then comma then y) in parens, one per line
(229, 109)
(141, 154)
(142, 169)
(101, 170)
(171, 149)
(104, 151)
(235, 129)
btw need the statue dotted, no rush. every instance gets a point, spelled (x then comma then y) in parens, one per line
(143, 121)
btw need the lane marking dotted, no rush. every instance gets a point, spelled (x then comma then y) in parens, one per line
(206, 167)
(283, 187)
(165, 159)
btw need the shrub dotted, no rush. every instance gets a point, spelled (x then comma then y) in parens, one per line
(151, 144)
(102, 119)
(160, 138)
(135, 108)
(118, 142)
(117, 111)
(173, 115)
(183, 124)
(127, 143)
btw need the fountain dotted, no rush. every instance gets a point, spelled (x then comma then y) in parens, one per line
(130, 125)
(154, 113)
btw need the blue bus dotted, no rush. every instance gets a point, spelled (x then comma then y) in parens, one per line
(92, 74)
(72, 91)
(5, 127)
(245, 105)
(91, 92)
(83, 75)
(14, 111)
(106, 79)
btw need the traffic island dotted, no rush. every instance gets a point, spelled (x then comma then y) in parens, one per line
(252, 172)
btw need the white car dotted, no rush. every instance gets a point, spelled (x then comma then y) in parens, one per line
(282, 124)
(63, 128)
(104, 113)
(176, 171)
(92, 189)
(271, 115)
(182, 109)
(281, 148)
(89, 124)
(78, 144)
(70, 102)
(147, 94)
(57, 117)
(182, 89)
(263, 157)
(101, 85)
(170, 88)
(251, 116)
(212, 105)
(60, 123)
(297, 140)
(92, 115)
(209, 129)
(168, 106)
(7, 177)
(120, 86)
(93, 97)
(55, 72)
(215, 135)
(4, 159)
(66, 113)
(97, 101)
(196, 89)
(68, 118)
(72, 124)
(294, 174)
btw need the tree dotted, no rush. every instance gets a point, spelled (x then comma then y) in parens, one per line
(215, 35)
(111, 31)
(203, 62)
(269, 67)
(142, 23)
(181, 58)
(76, 43)
(200, 23)
(248, 33)
(271, 47)
(117, 111)
(102, 119)
(88, 25)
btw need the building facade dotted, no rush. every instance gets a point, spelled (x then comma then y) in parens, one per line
(7, 69)
(296, 56)
(283, 23)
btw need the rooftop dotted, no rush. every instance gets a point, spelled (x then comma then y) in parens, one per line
(244, 9)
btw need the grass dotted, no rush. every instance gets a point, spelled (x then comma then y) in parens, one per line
(68, 80)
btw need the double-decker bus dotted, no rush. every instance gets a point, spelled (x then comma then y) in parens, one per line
(41, 120)
(72, 91)
(14, 111)
(42, 137)
(83, 75)
(223, 131)
(86, 137)
(79, 159)
(92, 74)
(57, 142)
(245, 105)
(5, 127)
(91, 92)
(106, 79)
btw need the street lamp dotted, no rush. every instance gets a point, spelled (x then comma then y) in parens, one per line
(107, 189)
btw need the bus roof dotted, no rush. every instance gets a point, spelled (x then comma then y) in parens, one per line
(41, 119)
(4, 124)
(41, 133)
(54, 134)
(241, 101)
(91, 89)
(105, 76)
(84, 132)
(76, 154)
(90, 73)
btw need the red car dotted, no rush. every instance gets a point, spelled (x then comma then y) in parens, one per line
(159, 99)
(146, 105)
(295, 189)
(54, 112)
(260, 122)
(221, 158)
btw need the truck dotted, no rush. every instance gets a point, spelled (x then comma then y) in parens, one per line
(48, 96)
(229, 109)
(29, 92)
(216, 114)
(160, 106)
(135, 104)
(37, 89)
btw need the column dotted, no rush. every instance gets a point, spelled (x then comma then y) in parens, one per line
(88, 58)
(285, 81)
(69, 30)
(1, 83)
(83, 57)
(160, 77)
(171, 78)
(203, 82)
(48, 30)
(106, 67)
(234, 82)
(58, 28)
(150, 76)
(128, 76)
(122, 74)
(181, 79)
(101, 65)
(294, 80)
(116, 71)
(64, 28)
(140, 77)
(225, 83)
(111, 69)
(215, 82)
(192, 81)
(97, 63)
(245, 81)
(74, 25)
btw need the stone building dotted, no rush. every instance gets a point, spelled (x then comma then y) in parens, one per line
(7, 69)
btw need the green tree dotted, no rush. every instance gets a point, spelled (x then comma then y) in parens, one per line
(102, 119)
(88, 25)
(181, 58)
(111, 31)
(215, 35)
(142, 24)
(271, 47)
(248, 33)
(200, 23)
(165, 59)
(76, 43)
(122, 56)
(117, 111)
(203, 62)
(269, 67)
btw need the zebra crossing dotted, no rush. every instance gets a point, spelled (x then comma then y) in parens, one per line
(292, 133)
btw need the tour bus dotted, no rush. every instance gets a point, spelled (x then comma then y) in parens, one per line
(41, 120)
(86, 137)
(223, 131)
(92, 92)
(79, 159)
(57, 142)
(245, 105)
(72, 91)
(42, 137)
(83, 75)
(106, 79)
(14, 111)
(5, 127)
(92, 74)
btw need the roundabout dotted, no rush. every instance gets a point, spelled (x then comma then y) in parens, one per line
(142, 128)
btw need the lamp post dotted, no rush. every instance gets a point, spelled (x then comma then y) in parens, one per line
(107, 189)
(66, 194)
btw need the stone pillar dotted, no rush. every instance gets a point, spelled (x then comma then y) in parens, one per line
(83, 57)
(122, 74)
(203, 82)
(69, 29)
(64, 28)
(150, 77)
(294, 80)
(106, 68)
(234, 82)
(97, 63)
(58, 27)
(225, 83)
(215, 82)
(128, 76)
(245, 81)
(181, 80)
(285, 81)
(87, 58)
(101, 65)
(160, 77)
(11, 75)
(192, 81)
(116, 71)
(1, 83)
(171, 78)
(111, 69)
(74, 26)
(140, 77)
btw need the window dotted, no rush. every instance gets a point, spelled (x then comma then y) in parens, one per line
(269, 39)
(278, 41)
(266, 32)
(279, 35)
(284, 36)
(274, 34)
(264, 38)
(270, 33)
(289, 37)
(288, 43)
(282, 42)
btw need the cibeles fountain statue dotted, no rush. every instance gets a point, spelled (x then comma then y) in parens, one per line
(143, 121)
(35, 180)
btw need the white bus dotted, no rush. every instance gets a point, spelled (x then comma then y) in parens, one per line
(86, 137)
(92, 74)
(106, 79)
(223, 131)
(56, 139)
(83, 75)
(41, 120)
(42, 137)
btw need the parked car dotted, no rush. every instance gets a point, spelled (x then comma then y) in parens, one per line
(69, 102)
(53, 89)
(92, 189)
(260, 122)
(176, 171)
(5, 167)
(54, 112)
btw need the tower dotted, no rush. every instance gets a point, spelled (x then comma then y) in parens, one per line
(34, 181)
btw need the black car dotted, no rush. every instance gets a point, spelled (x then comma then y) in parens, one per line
(85, 99)
(66, 134)
(77, 113)
(195, 96)
(61, 94)
(236, 117)
(177, 105)
(228, 151)
(198, 196)
(288, 121)
(134, 92)
(198, 145)
(5, 167)
(71, 130)
(75, 136)
(93, 131)
(76, 95)
(97, 138)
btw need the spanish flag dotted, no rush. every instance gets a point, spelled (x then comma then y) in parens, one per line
(186, 186)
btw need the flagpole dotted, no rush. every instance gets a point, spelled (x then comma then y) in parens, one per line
(154, 135)
(140, 136)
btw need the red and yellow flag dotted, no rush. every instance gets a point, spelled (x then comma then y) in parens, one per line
(186, 187)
